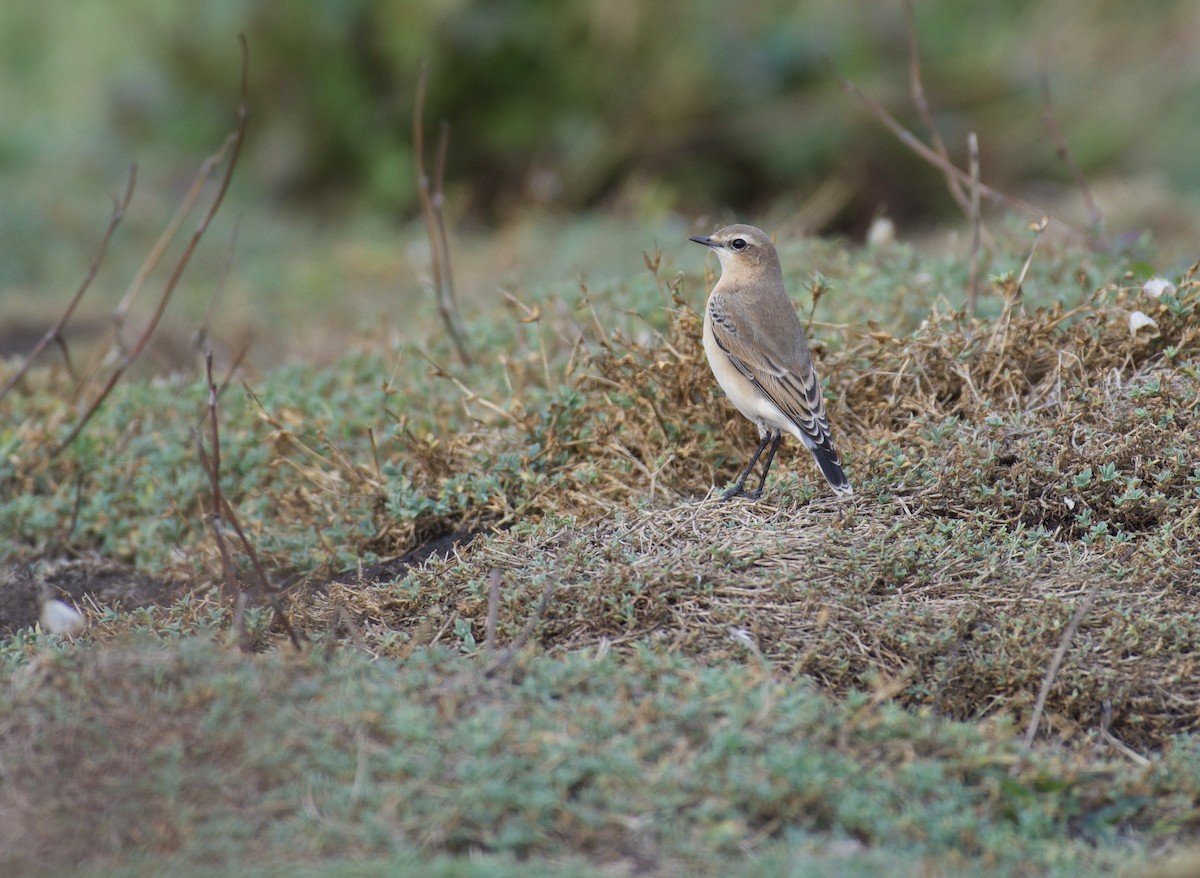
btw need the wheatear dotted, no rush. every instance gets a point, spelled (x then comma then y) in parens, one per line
(759, 355)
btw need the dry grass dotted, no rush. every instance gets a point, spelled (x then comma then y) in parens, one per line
(1026, 488)
(948, 581)
(1004, 468)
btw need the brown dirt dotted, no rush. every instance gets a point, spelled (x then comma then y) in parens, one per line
(76, 581)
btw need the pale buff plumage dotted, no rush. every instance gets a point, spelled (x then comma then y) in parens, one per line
(759, 355)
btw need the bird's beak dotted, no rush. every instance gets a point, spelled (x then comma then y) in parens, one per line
(707, 242)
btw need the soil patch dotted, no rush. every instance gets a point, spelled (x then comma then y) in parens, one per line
(76, 581)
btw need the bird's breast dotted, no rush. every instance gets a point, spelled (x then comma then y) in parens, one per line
(747, 398)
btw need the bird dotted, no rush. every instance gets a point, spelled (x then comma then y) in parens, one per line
(759, 355)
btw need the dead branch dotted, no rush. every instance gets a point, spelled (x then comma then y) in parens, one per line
(493, 612)
(150, 263)
(435, 226)
(200, 336)
(435, 262)
(54, 333)
(468, 395)
(212, 465)
(517, 645)
(1014, 300)
(1095, 220)
(923, 151)
(917, 87)
(976, 222)
(166, 236)
(1115, 742)
(223, 512)
(232, 145)
(1056, 662)
(437, 202)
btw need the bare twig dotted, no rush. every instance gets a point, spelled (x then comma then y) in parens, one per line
(438, 202)
(929, 155)
(1056, 662)
(344, 620)
(1014, 298)
(585, 300)
(212, 465)
(469, 395)
(1039, 229)
(223, 512)
(533, 315)
(517, 645)
(201, 334)
(1095, 220)
(194, 191)
(150, 263)
(435, 262)
(232, 144)
(270, 592)
(1113, 740)
(54, 333)
(976, 223)
(917, 87)
(75, 507)
(493, 613)
(819, 287)
(431, 210)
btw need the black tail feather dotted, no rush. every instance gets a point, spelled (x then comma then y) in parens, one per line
(831, 468)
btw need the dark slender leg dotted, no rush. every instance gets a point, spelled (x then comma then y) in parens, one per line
(736, 490)
(767, 465)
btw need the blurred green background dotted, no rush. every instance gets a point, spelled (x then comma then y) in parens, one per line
(650, 117)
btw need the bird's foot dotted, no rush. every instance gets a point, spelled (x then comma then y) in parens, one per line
(739, 491)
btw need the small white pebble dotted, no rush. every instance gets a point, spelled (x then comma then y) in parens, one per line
(60, 618)
(742, 636)
(1140, 320)
(1070, 503)
(881, 232)
(1156, 286)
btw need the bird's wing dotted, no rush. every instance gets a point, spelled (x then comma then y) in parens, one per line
(777, 362)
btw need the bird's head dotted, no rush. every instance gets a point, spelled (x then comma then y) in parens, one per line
(743, 250)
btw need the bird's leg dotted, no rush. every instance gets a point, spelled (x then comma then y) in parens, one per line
(770, 459)
(737, 489)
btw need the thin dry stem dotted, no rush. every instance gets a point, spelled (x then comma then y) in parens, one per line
(438, 202)
(222, 511)
(1039, 229)
(493, 612)
(168, 234)
(1095, 220)
(929, 155)
(526, 632)
(917, 87)
(468, 394)
(54, 333)
(1115, 742)
(435, 262)
(431, 211)
(212, 465)
(1056, 662)
(976, 223)
(232, 144)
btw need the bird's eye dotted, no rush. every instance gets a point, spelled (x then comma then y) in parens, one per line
(738, 243)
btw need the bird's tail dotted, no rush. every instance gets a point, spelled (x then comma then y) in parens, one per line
(831, 468)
